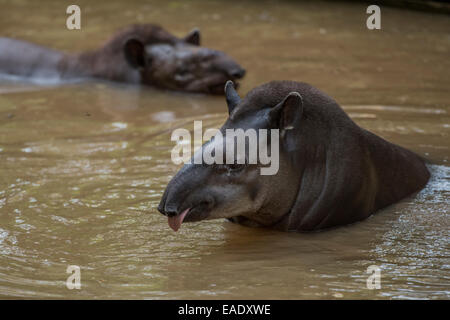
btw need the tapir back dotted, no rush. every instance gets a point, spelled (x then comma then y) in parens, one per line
(399, 172)
(25, 59)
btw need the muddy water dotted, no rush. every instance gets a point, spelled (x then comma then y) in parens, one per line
(83, 166)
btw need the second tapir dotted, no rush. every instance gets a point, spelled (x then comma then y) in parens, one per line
(139, 54)
(331, 171)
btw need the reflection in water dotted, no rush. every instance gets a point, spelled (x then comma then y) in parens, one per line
(83, 166)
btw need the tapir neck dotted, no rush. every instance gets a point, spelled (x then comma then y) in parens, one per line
(350, 177)
(99, 64)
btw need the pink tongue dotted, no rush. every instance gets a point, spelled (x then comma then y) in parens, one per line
(175, 222)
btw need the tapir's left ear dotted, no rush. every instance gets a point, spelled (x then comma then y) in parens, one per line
(134, 51)
(193, 37)
(284, 114)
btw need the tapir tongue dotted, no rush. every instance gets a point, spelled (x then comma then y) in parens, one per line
(176, 221)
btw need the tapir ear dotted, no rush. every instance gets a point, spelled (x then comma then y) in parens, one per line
(284, 114)
(232, 96)
(134, 51)
(193, 37)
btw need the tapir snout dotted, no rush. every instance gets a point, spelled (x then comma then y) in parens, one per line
(184, 199)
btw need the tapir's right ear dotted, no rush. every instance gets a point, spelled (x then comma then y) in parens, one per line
(134, 51)
(285, 114)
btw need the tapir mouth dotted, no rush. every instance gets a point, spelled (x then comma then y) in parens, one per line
(192, 214)
(176, 221)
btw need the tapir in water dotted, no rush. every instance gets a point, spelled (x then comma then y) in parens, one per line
(139, 54)
(331, 171)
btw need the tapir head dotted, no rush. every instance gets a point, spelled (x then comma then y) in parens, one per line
(182, 64)
(236, 186)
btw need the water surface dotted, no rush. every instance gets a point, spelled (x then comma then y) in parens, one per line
(83, 166)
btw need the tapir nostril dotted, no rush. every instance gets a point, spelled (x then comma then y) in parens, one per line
(170, 211)
(237, 73)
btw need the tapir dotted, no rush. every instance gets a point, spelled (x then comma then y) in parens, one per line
(139, 54)
(331, 171)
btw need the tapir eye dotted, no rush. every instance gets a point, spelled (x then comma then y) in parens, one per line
(229, 168)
